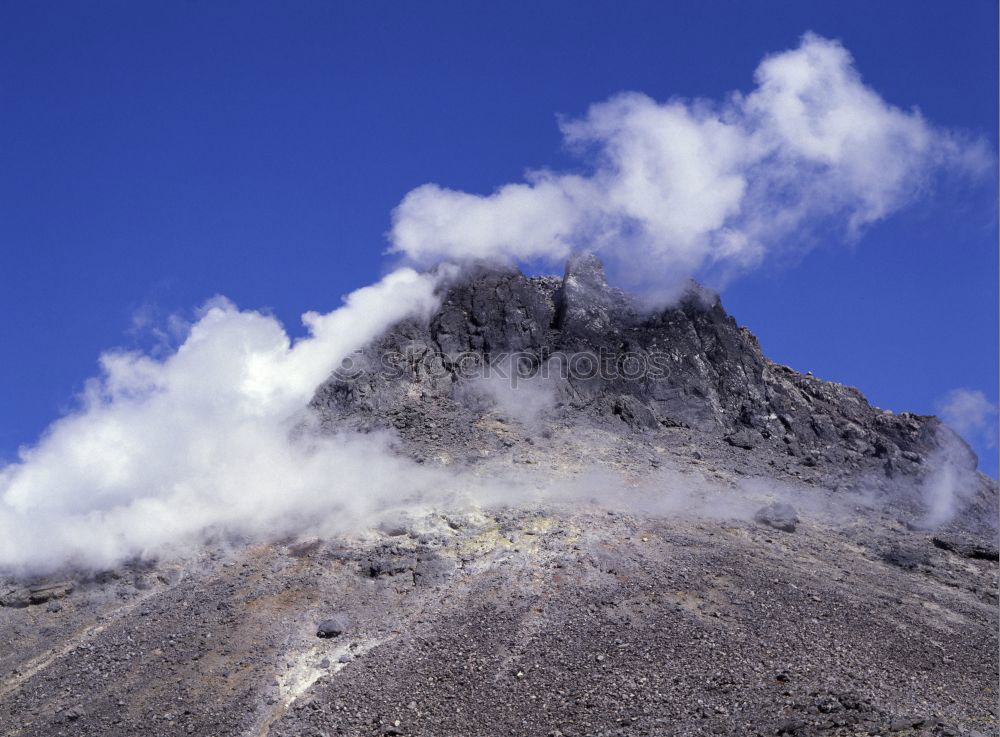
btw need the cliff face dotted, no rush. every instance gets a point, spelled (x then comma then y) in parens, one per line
(607, 361)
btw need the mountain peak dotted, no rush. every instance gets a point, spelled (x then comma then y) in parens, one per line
(587, 270)
(576, 356)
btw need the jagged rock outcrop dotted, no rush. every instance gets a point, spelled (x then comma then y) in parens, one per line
(608, 360)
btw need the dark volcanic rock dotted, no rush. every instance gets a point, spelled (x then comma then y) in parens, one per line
(36, 594)
(608, 360)
(966, 548)
(332, 627)
(634, 413)
(746, 438)
(906, 556)
(778, 515)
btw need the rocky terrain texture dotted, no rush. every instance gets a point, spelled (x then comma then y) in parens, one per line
(687, 378)
(751, 551)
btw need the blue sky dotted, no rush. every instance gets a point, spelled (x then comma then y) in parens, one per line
(157, 154)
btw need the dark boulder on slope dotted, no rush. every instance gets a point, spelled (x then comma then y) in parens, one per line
(332, 627)
(779, 516)
(966, 548)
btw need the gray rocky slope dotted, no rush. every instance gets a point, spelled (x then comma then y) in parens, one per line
(738, 549)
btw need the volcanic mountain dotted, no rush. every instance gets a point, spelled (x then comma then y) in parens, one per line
(710, 544)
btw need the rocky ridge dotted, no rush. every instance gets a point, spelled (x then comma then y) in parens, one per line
(687, 377)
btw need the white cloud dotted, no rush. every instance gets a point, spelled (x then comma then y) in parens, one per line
(165, 452)
(969, 413)
(679, 187)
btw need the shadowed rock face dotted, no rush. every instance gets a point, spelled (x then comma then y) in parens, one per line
(689, 365)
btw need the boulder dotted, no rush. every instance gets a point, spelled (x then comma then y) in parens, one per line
(17, 598)
(778, 515)
(389, 564)
(966, 548)
(747, 438)
(47, 592)
(332, 627)
(634, 413)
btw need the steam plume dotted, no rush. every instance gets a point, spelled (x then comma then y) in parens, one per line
(683, 187)
(969, 413)
(165, 451)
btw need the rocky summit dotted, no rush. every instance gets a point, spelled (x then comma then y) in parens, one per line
(713, 544)
(687, 379)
